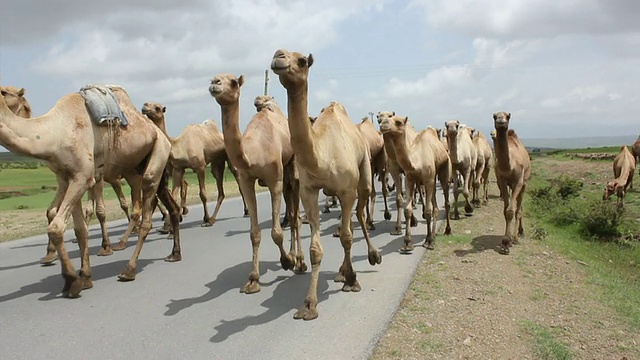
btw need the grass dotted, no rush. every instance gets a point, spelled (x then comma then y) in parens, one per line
(546, 346)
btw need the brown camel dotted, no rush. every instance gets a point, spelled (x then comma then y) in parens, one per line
(197, 146)
(263, 153)
(624, 165)
(378, 157)
(417, 160)
(463, 160)
(483, 167)
(331, 155)
(512, 168)
(81, 154)
(395, 170)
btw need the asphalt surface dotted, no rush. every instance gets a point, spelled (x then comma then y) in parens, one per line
(193, 309)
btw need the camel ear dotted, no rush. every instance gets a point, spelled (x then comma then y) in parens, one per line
(394, 114)
(240, 80)
(309, 60)
(164, 109)
(21, 92)
(495, 116)
(508, 116)
(406, 118)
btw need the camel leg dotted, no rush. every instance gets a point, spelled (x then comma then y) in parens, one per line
(444, 183)
(309, 199)
(101, 214)
(52, 211)
(247, 185)
(136, 199)
(82, 234)
(408, 213)
(235, 174)
(346, 273)
(385, 193)
(184, 191)
(327, 205)
(73, 283)
(397, 181)
(519, 212)
(89, 209)
(217, 170)
(203, 195)
(456, 193)
(122, 199)
(373, 253)
(428, 212)
(485, 185)
(508, 214)
(465, 191)
(286, 260)
(291, 191)
(372, 200)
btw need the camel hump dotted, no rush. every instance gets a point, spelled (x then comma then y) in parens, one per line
(102, 105)
(212, 124)
(512, 133)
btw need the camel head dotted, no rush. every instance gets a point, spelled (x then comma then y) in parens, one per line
(493, 135)
(452, 128)
(225, 88)
(264, 102)
(385, 115)
(501, 120)
(394, 125)
(16, 101)
(291, 67)
(612, 188)
(153, 111)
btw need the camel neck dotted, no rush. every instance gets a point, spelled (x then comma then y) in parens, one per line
(23, 136)
(232, 135)
(402, 152)
(453, 148)
(300, 128)
(501, 146)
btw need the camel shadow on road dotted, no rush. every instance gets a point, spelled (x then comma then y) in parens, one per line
(481, 243)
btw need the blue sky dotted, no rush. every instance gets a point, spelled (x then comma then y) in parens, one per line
(563, 69)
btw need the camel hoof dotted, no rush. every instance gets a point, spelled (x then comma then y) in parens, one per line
(285, 223)
(49, 259)
(306, 313)
(428, 244)
(163, 231)
(87, 284)
(447, 231)
(468, 209)
(414, 221)
(326, 211)
(396, 232)
(185, 210)
(339, 278)
(174, 257)
(105, 252)
(287, 262)
(251, 287)
(387, 215)
(407, 248)
(246, 213)
(129, 274)
(119, 246)
(207, 224)
(504, 251)
(300, 268)
(352, 288)
(336, 234)
(375, 258)
(456, 216)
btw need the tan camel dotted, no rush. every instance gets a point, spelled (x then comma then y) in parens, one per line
(197, 146)
(333, 156)
(18, 104)
(635, 151)
(463, 160)
(395, 170)
(624, 166)
(513, 169)
(417, 160)
(378, 156)
(80, 152)
(263, 153)
(483, 167)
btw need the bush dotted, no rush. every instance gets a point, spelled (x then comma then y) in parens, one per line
(602, 219)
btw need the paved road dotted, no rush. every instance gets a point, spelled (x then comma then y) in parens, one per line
(193, 309)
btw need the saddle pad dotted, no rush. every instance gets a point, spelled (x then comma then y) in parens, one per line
(102, 105)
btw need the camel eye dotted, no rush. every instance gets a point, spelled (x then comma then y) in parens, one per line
(302, 61)
(398, 122)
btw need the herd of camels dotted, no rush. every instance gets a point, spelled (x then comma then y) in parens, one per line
(294, 156)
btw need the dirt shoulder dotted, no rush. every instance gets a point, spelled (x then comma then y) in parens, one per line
(467, 301)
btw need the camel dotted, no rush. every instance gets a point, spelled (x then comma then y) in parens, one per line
(463, 160)
(481, 175)
(635, 151)
(513, 169)
(378, 157)
(331, 155)
(624, 165)
(81, 154)
(263, 153)
(197, 146)
(417, 160)
(395, 170)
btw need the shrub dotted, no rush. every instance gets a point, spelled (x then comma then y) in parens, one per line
(602, 219)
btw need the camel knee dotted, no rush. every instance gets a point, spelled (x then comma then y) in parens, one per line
(277, 235)
(55, 230)
(315, 255)
(51, 214)
(509, 214)
(203, 196)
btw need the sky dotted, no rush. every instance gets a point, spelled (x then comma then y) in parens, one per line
(562, 68)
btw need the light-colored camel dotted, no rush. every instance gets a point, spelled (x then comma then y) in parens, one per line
(197, 146)
(80, 153)
(483, 167)
(378, 156)
(463, 156)
(513, 169)
(263, 153)
(624, 165)
(395, 170)
(417, 160)
(333, 156)
(635, 151)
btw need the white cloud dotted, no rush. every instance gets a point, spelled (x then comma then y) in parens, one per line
(435, 81)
